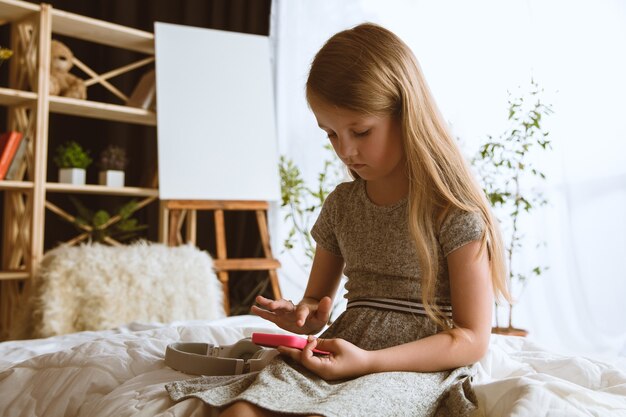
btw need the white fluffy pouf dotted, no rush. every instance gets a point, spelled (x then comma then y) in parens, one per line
(95, 287)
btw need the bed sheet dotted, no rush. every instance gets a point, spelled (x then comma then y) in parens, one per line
(121, 373)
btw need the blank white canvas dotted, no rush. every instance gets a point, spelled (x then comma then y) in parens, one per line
(215, 114)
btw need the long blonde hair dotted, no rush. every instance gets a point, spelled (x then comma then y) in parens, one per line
(370, 70)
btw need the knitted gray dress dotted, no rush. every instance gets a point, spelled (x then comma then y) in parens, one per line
(380, 265)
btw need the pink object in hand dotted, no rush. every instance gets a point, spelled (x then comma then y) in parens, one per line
(275, 340)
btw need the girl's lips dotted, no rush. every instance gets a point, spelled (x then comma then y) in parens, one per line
(356, 166)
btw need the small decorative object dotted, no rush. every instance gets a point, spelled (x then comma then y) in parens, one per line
(5, 54)
(62, 83)
(505, 167)
(112, 162)
(72, 161)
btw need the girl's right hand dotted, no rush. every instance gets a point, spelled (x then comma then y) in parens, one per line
(308, 317)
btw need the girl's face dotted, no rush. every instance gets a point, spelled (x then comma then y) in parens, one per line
(369, 145)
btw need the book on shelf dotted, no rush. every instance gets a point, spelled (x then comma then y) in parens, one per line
(144, 94)
(9, 143)
(18, 164)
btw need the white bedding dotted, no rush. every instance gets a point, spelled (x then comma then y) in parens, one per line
(121, 373)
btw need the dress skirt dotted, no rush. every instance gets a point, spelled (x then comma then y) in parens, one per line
(284, 386)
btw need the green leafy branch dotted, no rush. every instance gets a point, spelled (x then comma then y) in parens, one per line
(504, 165)
(303, 203)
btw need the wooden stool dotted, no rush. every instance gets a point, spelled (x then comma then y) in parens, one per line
(172, 215)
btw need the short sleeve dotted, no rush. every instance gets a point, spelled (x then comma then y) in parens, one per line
(323, 231)
(459, 228)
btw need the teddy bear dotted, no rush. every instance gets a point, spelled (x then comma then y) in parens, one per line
(62, 83)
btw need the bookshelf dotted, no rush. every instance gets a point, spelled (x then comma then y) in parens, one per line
(26, 202)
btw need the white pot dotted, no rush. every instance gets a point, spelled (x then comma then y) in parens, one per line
(74, 176)
(111, 178)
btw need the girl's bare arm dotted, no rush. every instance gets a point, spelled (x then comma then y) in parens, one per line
(472, 301)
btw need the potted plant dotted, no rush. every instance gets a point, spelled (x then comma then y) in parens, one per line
(112, 162)
(507, 172)
(5, 54)
(72, 161)
(106, 228)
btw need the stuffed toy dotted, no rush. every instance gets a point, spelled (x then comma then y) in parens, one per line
(62, 83)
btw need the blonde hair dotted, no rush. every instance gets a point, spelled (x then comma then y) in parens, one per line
(370, 70)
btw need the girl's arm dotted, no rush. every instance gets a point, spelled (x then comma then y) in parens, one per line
(472, 300)
(312, 313)
(466, 343)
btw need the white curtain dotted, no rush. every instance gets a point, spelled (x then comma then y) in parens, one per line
(472, 53)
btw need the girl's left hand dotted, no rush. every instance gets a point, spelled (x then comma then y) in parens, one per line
(345, 360)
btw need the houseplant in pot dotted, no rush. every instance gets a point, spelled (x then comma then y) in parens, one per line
(112, 162)
(105, 227)
(506, 166)
(72, 161)
(5, 54)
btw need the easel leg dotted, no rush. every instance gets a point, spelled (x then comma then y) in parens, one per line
(220, 240)
(191, 227)
(164, 217)
(267, 250)
(173, 235)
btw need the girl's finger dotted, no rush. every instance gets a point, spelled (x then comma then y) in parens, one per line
(263, 301)
(264, 314)
(302, 312)
(308, 358)
(323, 308)
(291, 352)
(282, 304)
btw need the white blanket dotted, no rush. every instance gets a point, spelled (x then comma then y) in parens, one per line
(121, 373)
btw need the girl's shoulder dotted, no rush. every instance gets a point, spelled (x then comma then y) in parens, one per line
(344, 191)
(460, 227)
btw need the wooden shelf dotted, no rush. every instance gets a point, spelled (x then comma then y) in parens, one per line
(103, 111)
(82, 27)
(11, 97)
(16, 185)
(14, 275)
(56, 187)
(11, 10)
(99, 31)
(84, 108)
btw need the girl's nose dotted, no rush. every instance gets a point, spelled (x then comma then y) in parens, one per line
(347, 148)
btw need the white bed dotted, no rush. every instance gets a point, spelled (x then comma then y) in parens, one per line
(121, 373)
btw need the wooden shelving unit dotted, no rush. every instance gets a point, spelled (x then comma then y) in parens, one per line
(103, 111)
(10, 97)
(52, 187)
(29, 105)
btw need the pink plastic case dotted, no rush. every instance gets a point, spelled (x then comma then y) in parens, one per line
(275, 340)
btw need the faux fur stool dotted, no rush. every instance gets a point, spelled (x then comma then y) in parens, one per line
(95, 287)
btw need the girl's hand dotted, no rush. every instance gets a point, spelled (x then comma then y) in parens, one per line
(308, 317)
(345, 360)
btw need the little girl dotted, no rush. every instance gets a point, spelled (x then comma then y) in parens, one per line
(413, 234)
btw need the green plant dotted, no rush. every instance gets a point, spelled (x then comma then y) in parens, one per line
(505, 167)
(101, 225)
(72, 155)
(113, 158)
(5, 54)
(303, 203)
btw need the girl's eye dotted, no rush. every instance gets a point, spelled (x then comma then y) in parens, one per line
(362, 134)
